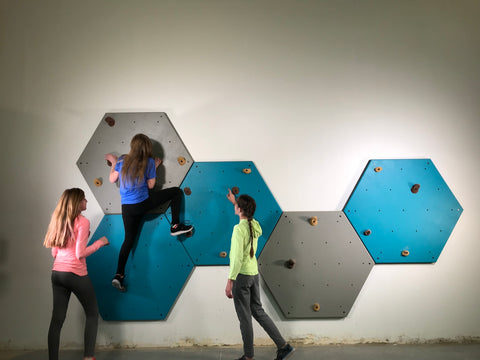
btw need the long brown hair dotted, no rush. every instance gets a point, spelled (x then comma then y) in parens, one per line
(60, 229)
(135, 162)
(247, 205)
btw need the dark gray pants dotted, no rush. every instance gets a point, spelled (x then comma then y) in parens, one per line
(246, 297)
(63, 284)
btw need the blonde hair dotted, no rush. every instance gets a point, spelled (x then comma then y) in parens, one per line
(60, 229)
(135, 163)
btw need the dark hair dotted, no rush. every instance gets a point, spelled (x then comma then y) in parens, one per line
(247, 205)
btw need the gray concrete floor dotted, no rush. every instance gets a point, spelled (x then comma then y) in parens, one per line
(326, 352)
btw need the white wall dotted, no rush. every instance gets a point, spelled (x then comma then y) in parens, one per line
(308, 90)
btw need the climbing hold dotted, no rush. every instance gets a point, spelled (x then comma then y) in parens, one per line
(110, 121)
(247, 170)
(378, 169)
(223, 254)
(98, 182)
(415, 188)
(235, 190)
(367, 232)
(316, 307)
(313, 221)
(109, 163)
(405, 253)
(181, 160)
(187, 191)
(290, 263)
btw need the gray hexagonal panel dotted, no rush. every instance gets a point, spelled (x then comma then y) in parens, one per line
(331, 265)
(113, 135)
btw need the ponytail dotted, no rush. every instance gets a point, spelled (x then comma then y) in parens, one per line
(247, 205)
(251, 237)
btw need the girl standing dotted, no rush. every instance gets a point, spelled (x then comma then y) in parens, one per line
(243, 279)
(136, 172)
(67, 235)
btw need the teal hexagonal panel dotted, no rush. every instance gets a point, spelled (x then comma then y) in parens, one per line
(208, 209)
(156, 272)
(314, 269)
(403, 210)
(113, 135)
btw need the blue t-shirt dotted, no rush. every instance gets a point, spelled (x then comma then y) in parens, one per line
(134, 193)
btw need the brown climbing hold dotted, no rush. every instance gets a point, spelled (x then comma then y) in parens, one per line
(367, 232)
(378, 169)
(181, 160)
(290, 263)
(223, 254)
(187, 191)
(316, 307)
(313, 221)
(109, 163)
(415, 188)
(110, 121)
(98, 182)
(247, 170)
(405, 253)
(235, 190)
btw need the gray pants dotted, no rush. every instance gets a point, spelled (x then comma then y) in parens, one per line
(246, 297)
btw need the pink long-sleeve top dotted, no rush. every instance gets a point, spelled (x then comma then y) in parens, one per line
(72, 258)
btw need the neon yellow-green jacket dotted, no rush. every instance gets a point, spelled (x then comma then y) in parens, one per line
(240, 260)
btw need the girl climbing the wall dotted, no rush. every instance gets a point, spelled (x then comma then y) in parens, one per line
(243, 279)
(136, 173)
(67, 235)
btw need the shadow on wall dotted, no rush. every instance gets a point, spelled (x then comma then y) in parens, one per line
(3, 267)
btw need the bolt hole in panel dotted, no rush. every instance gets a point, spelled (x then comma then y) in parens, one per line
(156, 271)
(331, 265)
(113, 135)
(208, 209)
(408, 209)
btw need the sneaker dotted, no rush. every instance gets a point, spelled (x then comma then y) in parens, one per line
(117, 282)
(285, 352)
(179, 229)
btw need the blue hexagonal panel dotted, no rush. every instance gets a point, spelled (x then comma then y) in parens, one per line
(156, 271)
(403, 211)
(113, 135)
(314, 264)
(208, 209)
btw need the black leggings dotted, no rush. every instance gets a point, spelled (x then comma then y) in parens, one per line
(132, 215)
(63, 284)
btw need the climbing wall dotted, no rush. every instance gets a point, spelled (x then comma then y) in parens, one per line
(314, 264)
(113, 135)
(403, 211)
(156, 271)
(207, 207)
(159, 266)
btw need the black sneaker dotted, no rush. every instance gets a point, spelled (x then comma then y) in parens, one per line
(179, 229)
(117, 282)
(285, 352)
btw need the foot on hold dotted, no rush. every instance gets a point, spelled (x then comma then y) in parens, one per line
(117, 282)
(179, 229)
(285, 352)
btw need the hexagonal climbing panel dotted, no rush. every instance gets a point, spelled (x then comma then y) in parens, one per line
(314, 264)
(403, 211)
(208, 209)
(156, 271)
(113, 135)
